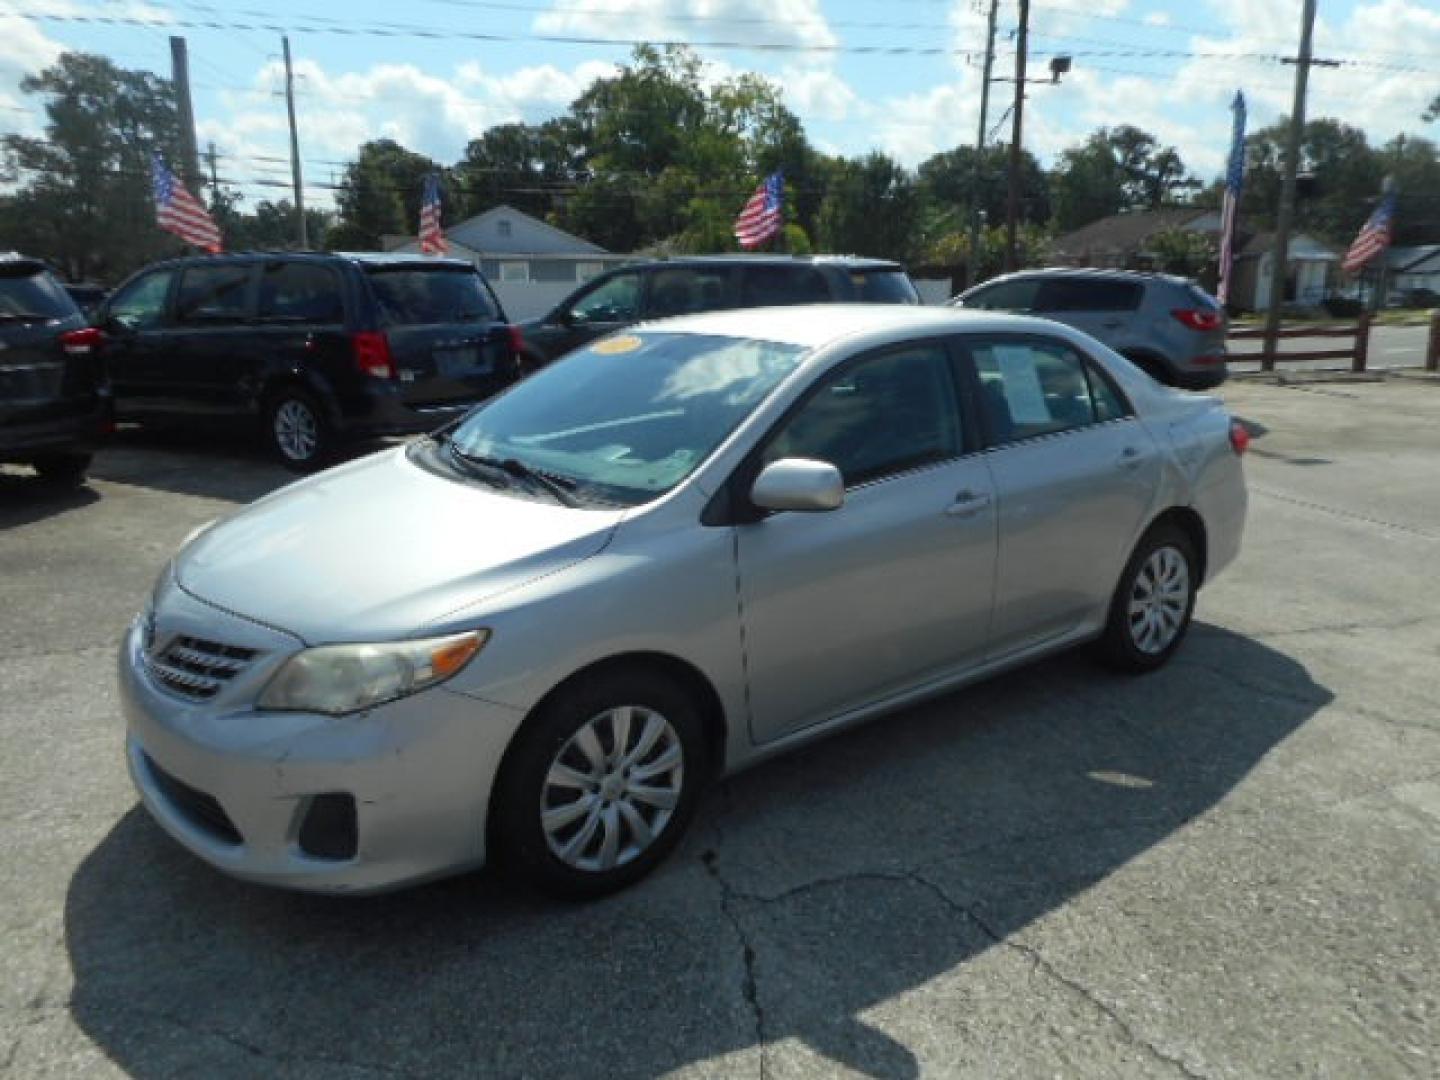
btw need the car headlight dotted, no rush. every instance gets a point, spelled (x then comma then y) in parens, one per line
(340, 679)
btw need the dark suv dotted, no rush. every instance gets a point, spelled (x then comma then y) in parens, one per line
(1167, 325)
(656, 290)
(54, 400)
(313, 347)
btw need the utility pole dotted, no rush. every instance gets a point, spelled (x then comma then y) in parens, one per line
(180, 76)
(972, 262)
(1280, 251)
(214, 172)
(1012, 205)
(294, 148)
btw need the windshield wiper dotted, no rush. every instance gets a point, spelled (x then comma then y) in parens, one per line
(558, 487)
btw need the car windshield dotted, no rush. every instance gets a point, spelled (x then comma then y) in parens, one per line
(425, 295)
(27, 294)
(628, 417)
(884, 287)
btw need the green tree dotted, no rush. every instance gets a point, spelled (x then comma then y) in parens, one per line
(522, 165)
(1340, 178)
(84, 199)
(871, 207)
(949, 179)
(271, 227)
(1115, 169)
(1415, 165)
(1183, 251)
(380, 195)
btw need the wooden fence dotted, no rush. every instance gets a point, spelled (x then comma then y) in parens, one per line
(1358, 334)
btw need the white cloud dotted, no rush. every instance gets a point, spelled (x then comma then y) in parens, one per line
(817, 93)
(765, 23)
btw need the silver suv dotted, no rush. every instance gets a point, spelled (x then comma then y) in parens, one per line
(1166, 325)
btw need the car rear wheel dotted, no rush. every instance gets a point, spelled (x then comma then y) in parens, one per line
(63, 470)
(1150, 613)
(601, 783)
(298, 431)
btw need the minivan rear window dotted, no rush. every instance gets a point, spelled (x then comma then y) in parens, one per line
(424, 295)
(29, 294)
(1088, 294)
(884, 287)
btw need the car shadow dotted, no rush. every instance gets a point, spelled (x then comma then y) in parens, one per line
(813, 889)
(224, 463)
(25, 498)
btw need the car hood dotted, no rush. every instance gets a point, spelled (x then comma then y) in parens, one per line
(377, 549)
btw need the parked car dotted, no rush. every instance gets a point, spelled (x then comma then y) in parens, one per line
(54, 398)
(312, 348)
(685, 286)
(87, 297)
(1168, 326)
(542, 631)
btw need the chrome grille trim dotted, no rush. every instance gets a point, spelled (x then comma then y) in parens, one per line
(197, 669)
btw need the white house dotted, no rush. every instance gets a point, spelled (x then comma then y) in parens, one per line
(531, 264)
(1414, 268)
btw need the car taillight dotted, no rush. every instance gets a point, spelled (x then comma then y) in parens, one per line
(82, 342)
(517, 346)
(1239, 437)
(1199, 318)
(372, 354)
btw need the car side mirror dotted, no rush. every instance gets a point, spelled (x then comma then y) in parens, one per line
(117, 326)
(798, 484)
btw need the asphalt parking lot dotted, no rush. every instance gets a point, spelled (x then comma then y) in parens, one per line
(1227, 869)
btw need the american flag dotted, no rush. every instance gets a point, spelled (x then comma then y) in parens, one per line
(762, 217)
(179, 212)
(432, 239)
(1230, 210)
(1374, 236)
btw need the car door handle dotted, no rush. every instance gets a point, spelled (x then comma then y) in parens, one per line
(1113, 324)
(967, 504)
(1130, 458)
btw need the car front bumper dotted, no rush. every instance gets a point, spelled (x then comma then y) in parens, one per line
(237, 786)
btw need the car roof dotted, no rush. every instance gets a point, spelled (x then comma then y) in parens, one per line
(362, 258)
(850, 262)
(1092, 272)
(813, 326)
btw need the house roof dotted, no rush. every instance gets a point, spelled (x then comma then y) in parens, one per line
(554, 240)
(1125, 232)
(1422, 259)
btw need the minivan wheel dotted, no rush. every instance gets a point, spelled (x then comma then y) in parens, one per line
(601, 783)
(1151, 610)
(297, 430)
(63, 470)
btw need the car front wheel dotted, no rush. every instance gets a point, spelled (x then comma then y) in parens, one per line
(601, 784)
(1153, 604)
(63, 470)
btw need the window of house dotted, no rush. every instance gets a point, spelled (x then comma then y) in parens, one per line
(584, 271)
(515, 273)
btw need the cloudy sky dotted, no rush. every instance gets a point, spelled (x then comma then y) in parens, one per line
(898, 75)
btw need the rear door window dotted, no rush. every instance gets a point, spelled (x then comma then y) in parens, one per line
(28, 294)
(1080, 294)
(300, 292)
(684, 289)
(1038, 387)
(141, 304)
(1005, 296)
(767, 286)
(616, 299)
(426, 295)
(884, 287)
(213, 294)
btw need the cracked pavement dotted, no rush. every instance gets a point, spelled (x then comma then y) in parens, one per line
(1228, 869)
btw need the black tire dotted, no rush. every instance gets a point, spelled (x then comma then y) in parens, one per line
(1122, 646)
(298, 430)
(517, 834)
(63, 470)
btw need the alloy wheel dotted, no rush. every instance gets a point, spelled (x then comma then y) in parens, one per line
(612, 789)
(1159, 600)
(297, 432)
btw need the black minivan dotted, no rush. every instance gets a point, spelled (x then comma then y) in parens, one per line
(684, 285)
(54, 399)
(312, 347)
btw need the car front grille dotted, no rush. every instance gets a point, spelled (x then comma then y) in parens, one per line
(197, 669)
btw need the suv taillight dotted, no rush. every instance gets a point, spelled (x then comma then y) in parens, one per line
(82, 342)
(1239, 437)
(372, 354)
(1199, 318)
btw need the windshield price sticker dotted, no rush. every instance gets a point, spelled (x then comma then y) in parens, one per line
(616, 346)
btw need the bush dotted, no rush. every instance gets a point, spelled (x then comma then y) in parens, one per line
(1342, 307)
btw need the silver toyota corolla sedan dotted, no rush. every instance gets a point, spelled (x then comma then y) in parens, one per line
(539, 633)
